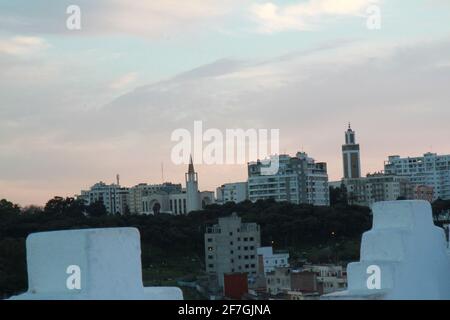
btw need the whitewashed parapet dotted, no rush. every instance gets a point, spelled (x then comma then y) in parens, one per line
(403, 256)
(89, 264)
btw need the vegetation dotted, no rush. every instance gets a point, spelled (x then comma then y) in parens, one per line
(173, 246)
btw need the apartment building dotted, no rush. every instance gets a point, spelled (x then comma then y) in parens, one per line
(231, 246)
(431, 170)
(232, 192)
(113, 196)
(378, 187)
(299, 180)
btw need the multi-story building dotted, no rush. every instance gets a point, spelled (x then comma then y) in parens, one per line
(377, 187)
(331, 277)
(422, 192)
(351, 155)
(429, 170)
(299, 180)
(143, 190)
(231, 246)
(232, 192)
(273, 260)
(113, 196)
(279, 280)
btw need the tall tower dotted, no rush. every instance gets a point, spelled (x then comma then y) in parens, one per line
(351, 155)
(192, 194)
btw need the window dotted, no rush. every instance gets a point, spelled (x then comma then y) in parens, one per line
(231, 252)
(245, 239)
(231, 233)
(209, 239)
(210, 257)
(239, 239)
(251, 239)
(252, 265)
(210, 265)
(210, 248)
(231, 243)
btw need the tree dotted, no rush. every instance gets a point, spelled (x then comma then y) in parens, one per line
(96, 209)
(8, 209)
(65, 206)
(338, 195)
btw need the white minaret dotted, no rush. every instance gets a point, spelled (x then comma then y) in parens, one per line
(192, 194)
(351, 155)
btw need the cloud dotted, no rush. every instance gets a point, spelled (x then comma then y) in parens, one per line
(302, 16)
(124, 81)
(21, 45)
(149, 19)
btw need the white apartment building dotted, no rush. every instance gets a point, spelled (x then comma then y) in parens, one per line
(113, 196)
(429, 170)
(378, 187)
(299, 180)
(231, 246)
(273, 260)
(232, 192)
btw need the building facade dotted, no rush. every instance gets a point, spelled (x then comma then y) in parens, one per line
(331, 278)
(151, 198)
(351, 156)
(231, 246)
(378, 187)
(232, 192)
(170, 198)
(139, 196)
(429, 170)
(299, 180)
(272, 260)
(113, 196)
(278, 280)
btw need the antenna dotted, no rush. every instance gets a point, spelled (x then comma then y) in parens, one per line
(118, 179)
(162, 172)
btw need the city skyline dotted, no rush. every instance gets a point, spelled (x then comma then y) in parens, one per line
(78, 107)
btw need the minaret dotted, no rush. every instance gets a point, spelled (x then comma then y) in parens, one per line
(351, 155)
(192, 194)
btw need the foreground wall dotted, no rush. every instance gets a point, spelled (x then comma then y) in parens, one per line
(403, 256)
(88, 264)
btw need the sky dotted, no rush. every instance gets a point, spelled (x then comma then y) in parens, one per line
(80, 106)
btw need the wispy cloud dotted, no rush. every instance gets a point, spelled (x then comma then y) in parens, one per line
(148, 19)
(124, 81)
(22, 45)
(304, 15)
